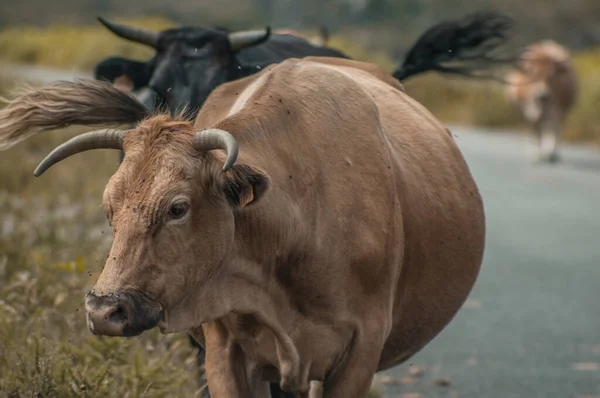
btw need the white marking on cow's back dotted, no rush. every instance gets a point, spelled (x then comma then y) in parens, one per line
(245, 95)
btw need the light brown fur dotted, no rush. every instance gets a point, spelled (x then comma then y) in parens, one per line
(544, 90)
(364, 237)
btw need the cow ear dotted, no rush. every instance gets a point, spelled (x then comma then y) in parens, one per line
(123, 82)
(244, 185)
(114, 68)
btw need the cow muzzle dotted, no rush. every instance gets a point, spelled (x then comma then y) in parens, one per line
(121, 314)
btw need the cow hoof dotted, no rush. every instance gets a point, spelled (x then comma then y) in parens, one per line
(548, 158)
(553, 158)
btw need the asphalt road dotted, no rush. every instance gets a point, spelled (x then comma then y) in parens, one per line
(531, 327)
(40, 75)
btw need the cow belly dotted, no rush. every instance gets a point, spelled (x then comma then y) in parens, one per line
(421, 318)
(444, 231)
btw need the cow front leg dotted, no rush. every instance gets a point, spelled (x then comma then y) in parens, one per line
(555, 127)
(228, 372)
(316, 389)
(549, 141)
(537, 152)
(355, 379)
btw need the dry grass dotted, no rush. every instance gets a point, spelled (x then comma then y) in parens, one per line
(53, 241)
(79, 47)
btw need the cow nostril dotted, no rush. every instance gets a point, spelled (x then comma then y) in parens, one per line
(118, 315)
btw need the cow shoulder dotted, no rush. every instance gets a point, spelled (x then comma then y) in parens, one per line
(223, 98)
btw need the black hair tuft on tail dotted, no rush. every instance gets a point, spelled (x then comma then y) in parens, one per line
(464, 47)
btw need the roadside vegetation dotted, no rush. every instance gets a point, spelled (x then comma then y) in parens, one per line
(53, 241)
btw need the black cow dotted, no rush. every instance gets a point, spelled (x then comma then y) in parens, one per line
(191, 61)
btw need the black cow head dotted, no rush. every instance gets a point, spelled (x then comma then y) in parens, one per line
(189, 62)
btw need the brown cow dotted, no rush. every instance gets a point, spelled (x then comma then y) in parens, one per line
(544, 89)
(314, 226)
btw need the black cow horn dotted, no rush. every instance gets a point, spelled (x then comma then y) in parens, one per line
(138, 35)
(244, 39)
(98, 139)
(207, 140)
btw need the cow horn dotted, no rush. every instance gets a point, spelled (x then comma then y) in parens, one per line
(244, 39)
(207, 140)
(138, 35)
(98, 139)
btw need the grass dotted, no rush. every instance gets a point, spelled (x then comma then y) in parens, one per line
(79, 47)
(53, 241)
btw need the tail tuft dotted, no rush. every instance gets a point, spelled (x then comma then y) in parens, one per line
(86, 102)
(465, 46)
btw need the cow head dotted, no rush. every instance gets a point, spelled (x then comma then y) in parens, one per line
(171, 206)
(189, 62)
(544, 60)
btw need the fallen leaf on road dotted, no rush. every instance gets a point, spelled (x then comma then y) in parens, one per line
(416, 371)
(472, 303)
(411, 395)
(407, 380)
(586, 366)
(389, 380)
(441, 382)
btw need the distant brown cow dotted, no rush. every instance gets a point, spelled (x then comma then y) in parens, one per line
(544, 89)
(314, 225)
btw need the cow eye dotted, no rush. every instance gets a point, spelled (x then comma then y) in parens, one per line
(178, 210)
